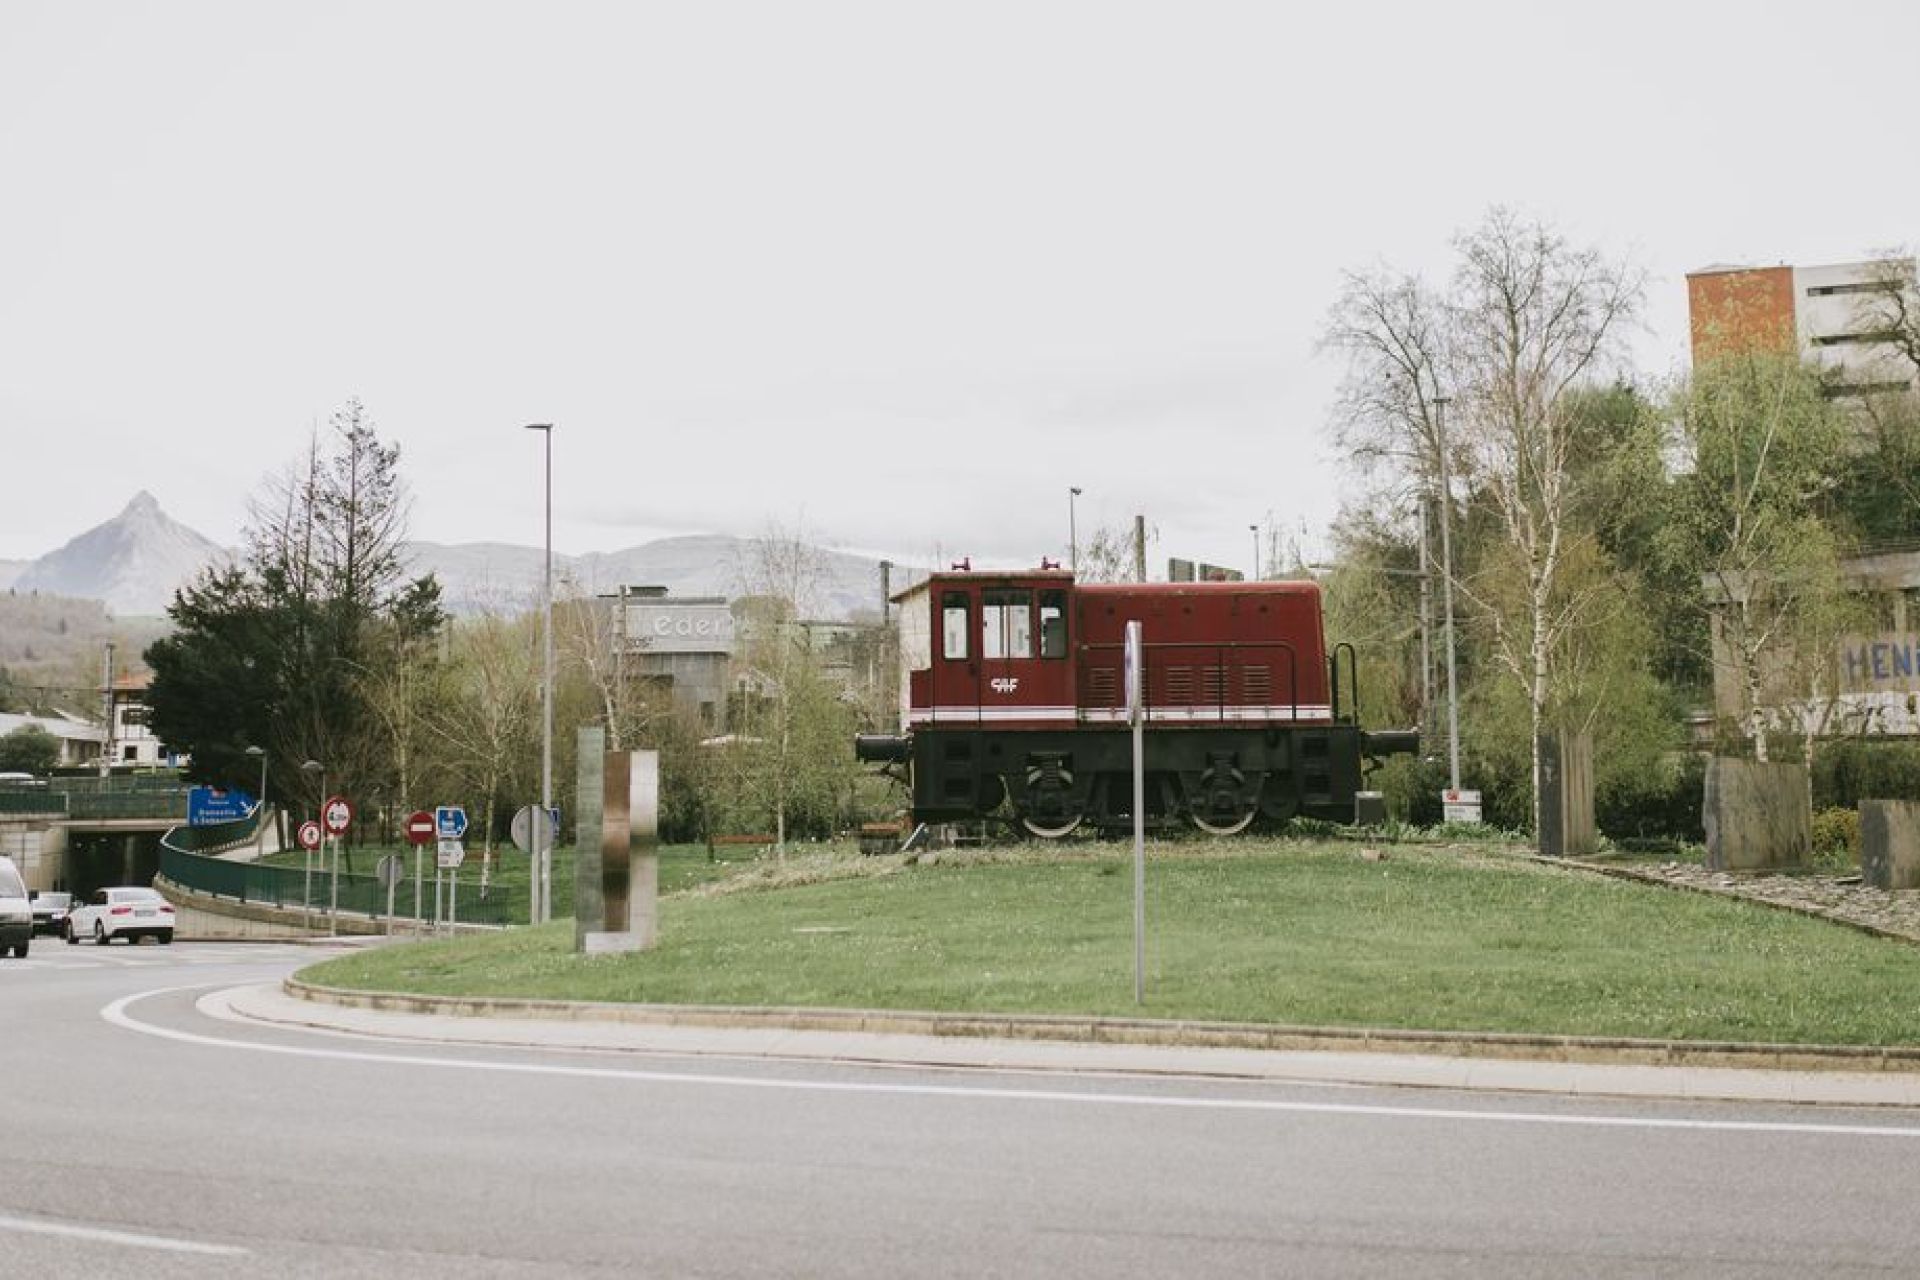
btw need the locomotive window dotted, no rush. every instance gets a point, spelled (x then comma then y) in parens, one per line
(1053, 624)
(1006, 624)
(953, 625)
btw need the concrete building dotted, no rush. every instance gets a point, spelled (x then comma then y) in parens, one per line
(1823, 312)
(133, 743)
(683, 645)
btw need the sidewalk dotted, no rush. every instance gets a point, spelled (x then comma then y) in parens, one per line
(773, 1039)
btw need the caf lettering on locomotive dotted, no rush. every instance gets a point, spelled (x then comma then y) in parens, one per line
(1012, 703)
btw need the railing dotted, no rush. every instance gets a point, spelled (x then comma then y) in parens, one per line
(293, 888)
(97, 798)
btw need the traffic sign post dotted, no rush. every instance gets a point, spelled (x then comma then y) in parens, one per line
(336, 815)
(421, 830)
(388, 872)
(448, 855)
(309, 841)
(1136, 708)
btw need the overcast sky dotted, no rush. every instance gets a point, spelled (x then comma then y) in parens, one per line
(897, 273)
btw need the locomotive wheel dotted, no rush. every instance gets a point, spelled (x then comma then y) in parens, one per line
(1045, 814)
(1216, 825)
(1217, 807)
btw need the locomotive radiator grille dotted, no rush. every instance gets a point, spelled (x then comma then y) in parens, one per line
(1256, 684)
(1213, 684)
(1180, 685)
(1103, 687)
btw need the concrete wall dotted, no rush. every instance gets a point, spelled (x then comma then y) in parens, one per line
(1758, 816)
(1890, 843)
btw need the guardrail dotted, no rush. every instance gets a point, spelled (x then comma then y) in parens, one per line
(97, 798)
(185, 860)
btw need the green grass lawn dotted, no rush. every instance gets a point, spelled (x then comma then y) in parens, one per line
(1447, 938)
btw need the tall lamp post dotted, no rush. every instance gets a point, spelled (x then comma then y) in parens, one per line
(306, 859)
(1446, 591)
(1073, 534)
(260, 833)
(541, 907)
(1254, 529)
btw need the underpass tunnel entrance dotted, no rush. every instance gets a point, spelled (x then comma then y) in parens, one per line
(100, 860)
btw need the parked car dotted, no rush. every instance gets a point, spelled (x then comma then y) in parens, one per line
(121, 913)
(16, 913)
(50, 909)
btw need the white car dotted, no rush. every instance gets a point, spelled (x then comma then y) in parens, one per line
(16, 914)
(121, 913)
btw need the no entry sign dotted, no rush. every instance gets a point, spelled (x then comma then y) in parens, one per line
(420, 827)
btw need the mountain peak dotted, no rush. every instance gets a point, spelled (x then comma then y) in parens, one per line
(133, 562)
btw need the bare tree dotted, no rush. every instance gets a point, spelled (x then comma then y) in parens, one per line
(1532, 320)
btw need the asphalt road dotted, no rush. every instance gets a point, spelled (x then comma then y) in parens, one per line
(140, 1136)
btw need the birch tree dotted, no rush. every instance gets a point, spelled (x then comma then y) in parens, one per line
(1532, 321)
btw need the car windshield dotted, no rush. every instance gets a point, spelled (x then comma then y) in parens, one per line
(54, 899)
(136, 895)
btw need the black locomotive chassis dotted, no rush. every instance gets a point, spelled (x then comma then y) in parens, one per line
(1215, 774)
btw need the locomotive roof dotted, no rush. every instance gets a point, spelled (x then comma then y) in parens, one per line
(1064, 577)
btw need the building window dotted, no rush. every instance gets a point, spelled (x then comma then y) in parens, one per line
(1839, 390)
(1850, 339)
(954, 624)
(1006, 624)
(1858, 286)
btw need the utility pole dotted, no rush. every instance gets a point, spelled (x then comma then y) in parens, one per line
(1446, 594)
(1139, 548)
(1426, 623)
(106, 711)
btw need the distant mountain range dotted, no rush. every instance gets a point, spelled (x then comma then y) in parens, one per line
(133, 563)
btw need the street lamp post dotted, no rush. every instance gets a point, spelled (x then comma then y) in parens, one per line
(1073, 533)
(1446, 592)
(1254, 529)
(540, 909)
(260, 825)
(306, 854)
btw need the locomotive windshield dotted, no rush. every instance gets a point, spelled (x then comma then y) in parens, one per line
(1006, 623)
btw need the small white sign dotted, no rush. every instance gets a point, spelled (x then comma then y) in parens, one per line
(1460, 806)
(451, 853)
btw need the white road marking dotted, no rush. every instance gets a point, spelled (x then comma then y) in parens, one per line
(102, 1235)
(116, 1014)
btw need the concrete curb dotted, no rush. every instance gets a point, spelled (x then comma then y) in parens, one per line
(1616, 1051)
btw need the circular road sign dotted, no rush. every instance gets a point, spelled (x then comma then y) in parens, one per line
(309, 835)
(420, 828)
(337, 814)
(389, 871)
(522, 828)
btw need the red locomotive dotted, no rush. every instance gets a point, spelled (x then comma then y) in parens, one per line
(1013, 703)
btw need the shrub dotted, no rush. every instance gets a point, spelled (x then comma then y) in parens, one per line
(1836, 836)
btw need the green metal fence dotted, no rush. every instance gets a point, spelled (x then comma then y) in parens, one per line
(97, 798)
(184, 860)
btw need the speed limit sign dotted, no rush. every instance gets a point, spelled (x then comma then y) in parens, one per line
(309, 835)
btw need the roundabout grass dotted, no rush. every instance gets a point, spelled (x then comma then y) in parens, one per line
(1453, 938)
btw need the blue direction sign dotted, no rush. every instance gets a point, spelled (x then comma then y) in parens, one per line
(449, 822)
(209, 805)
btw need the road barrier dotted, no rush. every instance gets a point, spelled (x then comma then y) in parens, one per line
(185, 860)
